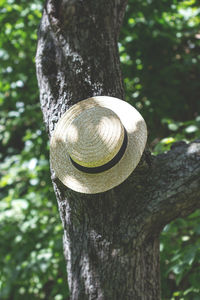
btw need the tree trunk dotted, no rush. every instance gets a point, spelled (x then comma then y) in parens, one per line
(111, 240)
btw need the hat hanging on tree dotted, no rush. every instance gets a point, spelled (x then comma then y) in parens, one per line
(97, 144)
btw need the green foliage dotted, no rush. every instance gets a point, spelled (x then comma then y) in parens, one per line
(159, 51)
(179, 131)
(159, 48)
(180, 263)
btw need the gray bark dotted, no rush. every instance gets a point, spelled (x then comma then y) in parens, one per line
(111, 240)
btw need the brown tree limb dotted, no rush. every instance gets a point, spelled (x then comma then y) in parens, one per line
(176, 178)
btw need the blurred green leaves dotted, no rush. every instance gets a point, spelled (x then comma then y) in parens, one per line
(178, 131)
(180, 259)
(159, 48)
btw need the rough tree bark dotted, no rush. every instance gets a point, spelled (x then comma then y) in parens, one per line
(111, 240)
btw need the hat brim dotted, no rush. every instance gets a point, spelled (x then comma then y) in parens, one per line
(86, 183)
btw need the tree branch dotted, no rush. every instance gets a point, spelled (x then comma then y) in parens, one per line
(167, 189)
(175, 183)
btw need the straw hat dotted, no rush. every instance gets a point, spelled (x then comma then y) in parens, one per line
(97, 144)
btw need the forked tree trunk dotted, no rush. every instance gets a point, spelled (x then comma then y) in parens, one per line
(111, 240)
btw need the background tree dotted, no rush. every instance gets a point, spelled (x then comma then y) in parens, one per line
(34, 267)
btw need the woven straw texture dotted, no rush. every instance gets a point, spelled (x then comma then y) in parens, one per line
(92, 132)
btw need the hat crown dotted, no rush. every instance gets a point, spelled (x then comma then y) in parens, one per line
(94, 137)
(85, 132)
